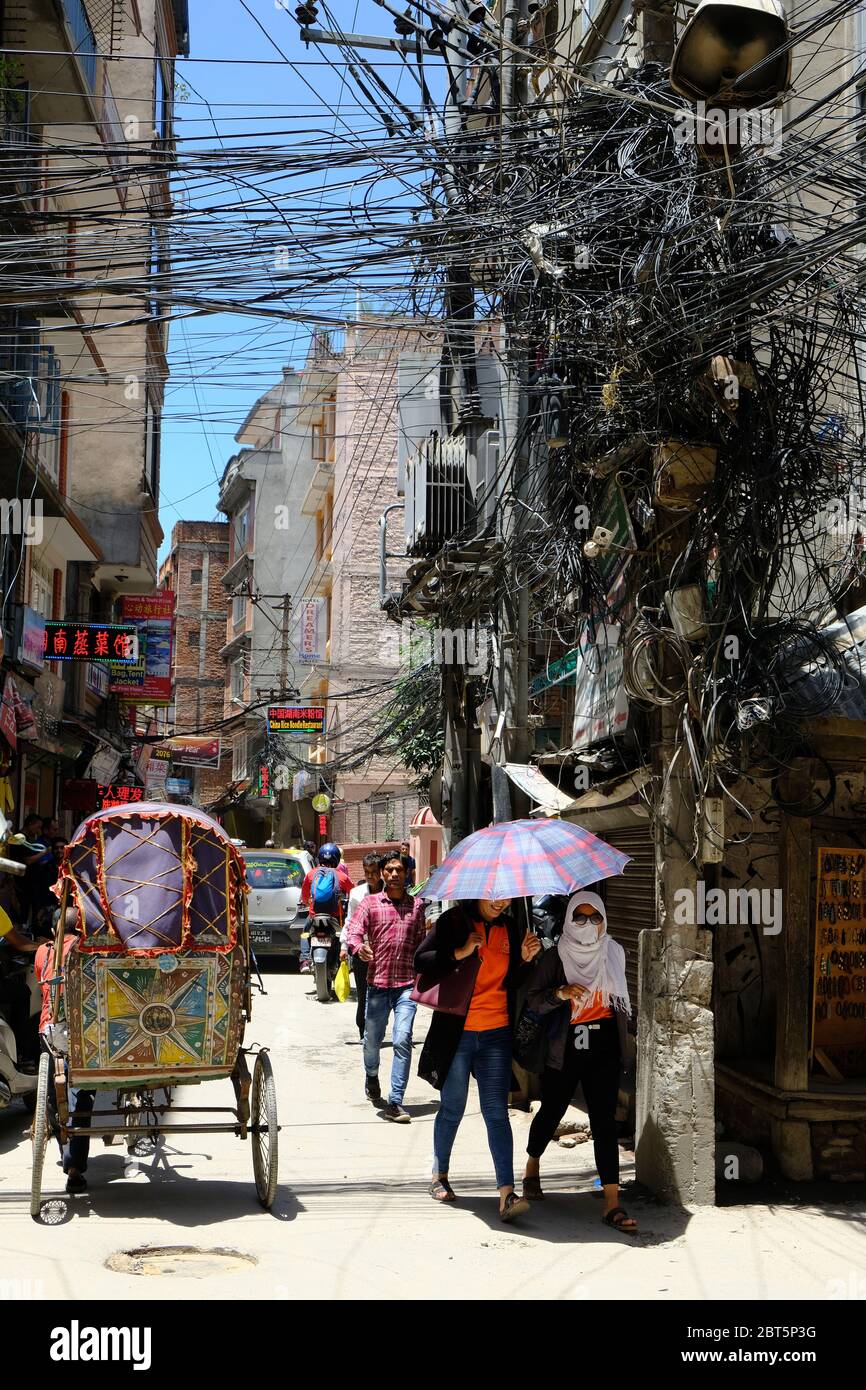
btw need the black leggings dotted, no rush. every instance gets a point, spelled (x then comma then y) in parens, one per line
(597, 1067)
(359, 970)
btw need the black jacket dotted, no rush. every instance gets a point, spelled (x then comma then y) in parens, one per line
(541, 998)
(435, 958)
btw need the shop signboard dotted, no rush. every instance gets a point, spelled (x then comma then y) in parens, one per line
(191, 751)
(148, 682)
(178, 786)
(31, 650)
(839, 980)
(600, 703)
(311, 636)
(296, 719)
(71, 641)
(117, 794)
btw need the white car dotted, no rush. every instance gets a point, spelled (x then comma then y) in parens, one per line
(277, 915)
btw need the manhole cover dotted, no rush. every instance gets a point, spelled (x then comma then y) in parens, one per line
(185, 1260)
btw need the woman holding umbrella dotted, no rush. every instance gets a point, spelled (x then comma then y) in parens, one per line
(474, 1036)
(478, 1043)
(581, 987)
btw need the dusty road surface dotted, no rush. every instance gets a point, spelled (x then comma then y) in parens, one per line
(353, 1219)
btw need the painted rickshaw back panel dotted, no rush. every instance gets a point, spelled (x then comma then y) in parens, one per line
(145, 1020)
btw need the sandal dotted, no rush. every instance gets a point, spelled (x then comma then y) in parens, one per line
(532, 1189)
(514, 1206)
(617, 1219)
(441, 1190)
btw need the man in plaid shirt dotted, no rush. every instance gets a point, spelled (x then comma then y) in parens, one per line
(385, 932)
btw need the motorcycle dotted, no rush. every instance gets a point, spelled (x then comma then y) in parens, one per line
(325, 952)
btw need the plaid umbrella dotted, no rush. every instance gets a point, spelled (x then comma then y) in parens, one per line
(522, 857)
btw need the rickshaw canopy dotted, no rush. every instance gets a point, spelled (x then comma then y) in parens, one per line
(151, 878)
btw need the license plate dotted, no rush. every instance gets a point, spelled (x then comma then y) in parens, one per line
(322, 940)
(260, 938)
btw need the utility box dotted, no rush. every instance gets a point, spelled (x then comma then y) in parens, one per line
(682, 472)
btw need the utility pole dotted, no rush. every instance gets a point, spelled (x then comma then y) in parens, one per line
(675, 1101)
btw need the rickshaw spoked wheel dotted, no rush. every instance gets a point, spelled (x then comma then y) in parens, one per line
(39, 1134)
(264, 1130)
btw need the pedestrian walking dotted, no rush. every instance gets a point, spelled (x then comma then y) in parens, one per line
(479, 1042)
(410, 864)
(581, 986)
(76, 1151)
(385, 932)
(373, 883)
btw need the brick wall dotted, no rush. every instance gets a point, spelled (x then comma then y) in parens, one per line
(201, 607)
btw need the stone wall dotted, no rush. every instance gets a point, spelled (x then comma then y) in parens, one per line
(839, 1150)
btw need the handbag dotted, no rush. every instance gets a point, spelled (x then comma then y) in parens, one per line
(530, 1039)
(453, 993)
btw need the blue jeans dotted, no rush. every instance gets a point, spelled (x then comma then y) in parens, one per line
(380, 1003)
(487, 1057)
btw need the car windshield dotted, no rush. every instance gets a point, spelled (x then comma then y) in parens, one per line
(263, 872)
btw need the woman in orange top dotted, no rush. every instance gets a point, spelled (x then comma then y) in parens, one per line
(582, 987)
(480, 1043)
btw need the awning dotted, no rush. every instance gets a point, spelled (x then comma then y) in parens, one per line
(612, 792)
(533, 782)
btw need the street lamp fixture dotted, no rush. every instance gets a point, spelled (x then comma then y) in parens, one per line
(723, 42)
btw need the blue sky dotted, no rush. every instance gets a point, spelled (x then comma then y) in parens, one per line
(221, 363)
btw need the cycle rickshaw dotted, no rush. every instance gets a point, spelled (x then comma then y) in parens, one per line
(156, 990)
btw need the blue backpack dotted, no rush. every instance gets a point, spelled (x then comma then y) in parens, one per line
(325, 891)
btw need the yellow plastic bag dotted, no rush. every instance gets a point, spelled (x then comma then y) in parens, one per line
(342, 985)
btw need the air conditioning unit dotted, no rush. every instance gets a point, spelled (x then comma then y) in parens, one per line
(436, 489)
(484, 481)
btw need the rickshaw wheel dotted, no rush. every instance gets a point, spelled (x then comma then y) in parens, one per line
(264, 1129)
(39, 1134)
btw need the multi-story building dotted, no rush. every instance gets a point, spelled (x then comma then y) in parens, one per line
(193, 572)
(89, 101)
(304, 500)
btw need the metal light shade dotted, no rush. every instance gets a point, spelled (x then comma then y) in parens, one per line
(724, 40)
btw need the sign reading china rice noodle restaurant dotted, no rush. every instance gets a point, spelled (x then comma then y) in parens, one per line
(296, 719)
(148, 682)
(839, 985)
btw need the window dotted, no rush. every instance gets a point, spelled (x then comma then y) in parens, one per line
(266, 872)
(192, 637)
(195, 576)
(151, 447)
(41, 589)
(236, 688)
(241, 523)
(162, 101)
(323, 433)
(239, 758)
(239, 609)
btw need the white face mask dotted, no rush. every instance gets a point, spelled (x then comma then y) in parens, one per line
(586, 935)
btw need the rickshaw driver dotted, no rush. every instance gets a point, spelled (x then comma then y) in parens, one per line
(77, 1150)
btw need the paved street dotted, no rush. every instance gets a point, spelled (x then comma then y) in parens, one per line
(353, 1217)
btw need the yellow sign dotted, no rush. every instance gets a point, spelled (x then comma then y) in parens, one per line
(839, 988)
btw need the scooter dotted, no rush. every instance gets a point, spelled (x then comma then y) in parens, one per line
(325, 952)
(13, 1081)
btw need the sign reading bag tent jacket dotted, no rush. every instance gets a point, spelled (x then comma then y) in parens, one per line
(600, 704)
(148, 682)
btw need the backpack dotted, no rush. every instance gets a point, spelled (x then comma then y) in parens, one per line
(325, 892)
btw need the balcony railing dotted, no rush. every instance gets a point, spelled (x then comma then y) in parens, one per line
(83, 40)
(20, 160)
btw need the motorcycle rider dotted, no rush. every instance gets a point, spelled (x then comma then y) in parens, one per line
(14, 993)
(329, 858)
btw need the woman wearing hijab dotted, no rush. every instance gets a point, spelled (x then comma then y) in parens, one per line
(583, 982)
(478, 1043)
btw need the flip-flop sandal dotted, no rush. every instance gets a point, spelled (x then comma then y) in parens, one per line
(441, 1190)
(532, 1189)
(610, 1219)
(514, 1206)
